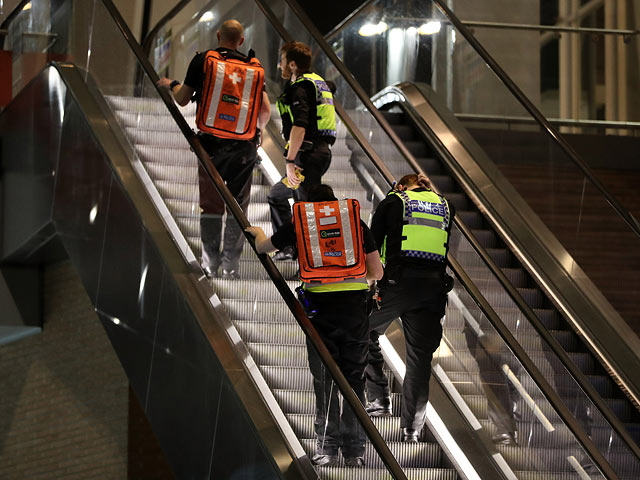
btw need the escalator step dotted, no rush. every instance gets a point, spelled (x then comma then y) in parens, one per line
(287, 377)
(408, 455)
(303, 402)
(459, 201)
(249, 289)
(380, 474)
(470, 218)
(389, 427)
(276, 311)
(270, 332)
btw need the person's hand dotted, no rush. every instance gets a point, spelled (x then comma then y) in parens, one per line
(254, 231)
(291, 174)
(423, 181)
(164, 82)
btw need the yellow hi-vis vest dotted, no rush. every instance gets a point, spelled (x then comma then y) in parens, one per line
(326, 112)
(330, 245)
(425, 233)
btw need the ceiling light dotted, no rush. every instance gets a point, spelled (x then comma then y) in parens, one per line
(429, 28)
(206, 17)
(369, 29)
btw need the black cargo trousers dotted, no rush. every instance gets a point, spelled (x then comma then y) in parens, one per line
(420, 303)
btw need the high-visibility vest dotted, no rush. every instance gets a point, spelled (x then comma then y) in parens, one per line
(231, 96)
(330, 245)
(325, 110)
(425, 231)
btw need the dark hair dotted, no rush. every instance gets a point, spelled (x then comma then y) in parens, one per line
(321, 193)
(297, 52)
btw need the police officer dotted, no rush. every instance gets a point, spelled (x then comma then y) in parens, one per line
(309, 127)
(411, 227)
(230, 135)
(326, 233)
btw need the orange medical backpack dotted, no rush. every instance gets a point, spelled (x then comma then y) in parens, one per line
(329, 240)
(231, 96)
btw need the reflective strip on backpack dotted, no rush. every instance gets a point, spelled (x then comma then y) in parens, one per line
(350, 256)
(215, 96)
(244, 104)
(314, 242)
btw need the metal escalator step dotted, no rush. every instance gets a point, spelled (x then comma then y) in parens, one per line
(149, 121)
(333, 473)
(188, 192)
(470, 218)
(303, 401)
(177, 157)
(566, 339)
(258, 212)
(287, 377)
(389, 427)
(501, 256)
(248, 289)
(288, 333)
(178, 174)
(459, 201)
(184, 208)
(533, 296)
(275, 310)
(487, 238)
(418, 148)
(404, 131)
(145, 104)
(157, 138)
(408, 455)
(282, 355)
(251, 268)
(190, 227)
(550, 318)
(431, 166)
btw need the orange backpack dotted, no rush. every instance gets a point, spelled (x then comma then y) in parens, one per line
(231, 96)
(329, 240)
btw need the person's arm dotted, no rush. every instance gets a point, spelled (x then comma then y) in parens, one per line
(265, 111)
(374, 266)
(263, 243)
(379, 223)
(181, 93)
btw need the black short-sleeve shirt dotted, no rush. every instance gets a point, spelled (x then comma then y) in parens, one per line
(286, 237)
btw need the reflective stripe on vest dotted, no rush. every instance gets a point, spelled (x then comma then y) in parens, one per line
(326, 112)
(425, 225)
(330, 244)
(231, 97)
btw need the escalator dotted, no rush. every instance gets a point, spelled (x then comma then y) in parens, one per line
(199, 354)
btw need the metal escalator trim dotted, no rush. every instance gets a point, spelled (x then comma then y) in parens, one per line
(217, 327)
(536, 247)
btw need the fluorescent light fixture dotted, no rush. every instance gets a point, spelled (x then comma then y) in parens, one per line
(429, 28)
(206, 17)
(27, 7)
(369, 29)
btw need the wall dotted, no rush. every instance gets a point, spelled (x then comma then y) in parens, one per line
(64, 401)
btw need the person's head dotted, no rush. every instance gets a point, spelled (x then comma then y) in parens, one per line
(321, 193)
(231, 34)
(295, 59)
(413, 181)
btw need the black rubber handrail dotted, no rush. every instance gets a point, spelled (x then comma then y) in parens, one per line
(275, 275)
(528, 312)
(539, 117)
(147, 42)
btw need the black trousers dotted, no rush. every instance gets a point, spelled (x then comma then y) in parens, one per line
(420, 304)
(314, 163)
(343, 325)
(235, 161)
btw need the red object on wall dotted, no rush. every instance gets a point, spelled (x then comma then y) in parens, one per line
(5, 77)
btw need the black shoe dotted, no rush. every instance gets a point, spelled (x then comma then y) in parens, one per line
(287, 253)
(325, 460)
(380, 407)
(410, 435)
(354, 462)
(505, 438)
(230, 275)
(210, 272)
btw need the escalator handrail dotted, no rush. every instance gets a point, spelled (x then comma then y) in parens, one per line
(348, 19)
(631, 221)
(276, 277)
(528, 312)
(147, 41)
(497, 323)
